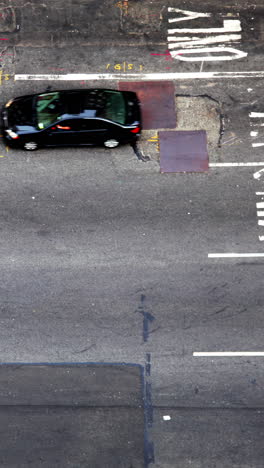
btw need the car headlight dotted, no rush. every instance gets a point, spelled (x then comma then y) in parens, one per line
(9, 102)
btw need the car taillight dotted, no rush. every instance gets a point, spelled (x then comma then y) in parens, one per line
(135, 130)
(12, 134)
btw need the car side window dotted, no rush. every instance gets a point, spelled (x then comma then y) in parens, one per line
(93, 124)
(73, 125)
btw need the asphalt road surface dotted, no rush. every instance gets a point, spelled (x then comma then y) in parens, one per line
(106, 262)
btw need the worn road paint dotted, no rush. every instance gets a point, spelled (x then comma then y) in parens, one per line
(198, 40)
(234, 255)
(258, 174)
(179, 54)
(228, 353)
(229, 26)
(195, 43)
(141, 76)
(187, 15)
(255, 115)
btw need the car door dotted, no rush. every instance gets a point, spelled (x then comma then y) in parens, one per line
(64, 133)
(94, 131)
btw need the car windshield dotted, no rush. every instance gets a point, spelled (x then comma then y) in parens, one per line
(48, 109)
(115, 108)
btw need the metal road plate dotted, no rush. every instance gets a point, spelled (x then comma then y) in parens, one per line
(72, 415)
(158, 103)
(183, 151)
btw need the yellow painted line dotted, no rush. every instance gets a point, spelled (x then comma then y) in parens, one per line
(1, 156)
(7, 149)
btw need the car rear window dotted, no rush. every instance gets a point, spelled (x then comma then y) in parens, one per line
(106, 104)
(115, 107)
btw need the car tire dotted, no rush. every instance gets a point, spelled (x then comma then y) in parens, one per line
(112, 143)
(30, 146)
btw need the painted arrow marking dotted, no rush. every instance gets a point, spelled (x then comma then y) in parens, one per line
(258, 174)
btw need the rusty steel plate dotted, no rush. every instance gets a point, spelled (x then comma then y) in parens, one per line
(183, 151)
(157, 101)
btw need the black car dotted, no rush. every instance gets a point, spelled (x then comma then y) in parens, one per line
(72, 118)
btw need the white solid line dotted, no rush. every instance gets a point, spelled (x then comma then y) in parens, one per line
(260, 213)
(256, 114)
(259, 193)
(234, 255)
(260, 205)
(236, 164)
(255, 145)
(141, 76)
(261, 222)
(228, 353)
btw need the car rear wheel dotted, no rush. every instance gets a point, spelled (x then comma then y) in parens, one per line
(30, 146)
(111, 143)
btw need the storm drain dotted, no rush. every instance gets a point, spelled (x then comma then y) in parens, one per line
(157, 101)
(183, 151)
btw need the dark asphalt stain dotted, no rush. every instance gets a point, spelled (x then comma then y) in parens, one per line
(148, 413)
(139, 154)
(148, 365)
(147, 318)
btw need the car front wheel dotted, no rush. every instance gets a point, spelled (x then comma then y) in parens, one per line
(30, 146)
(111, 143)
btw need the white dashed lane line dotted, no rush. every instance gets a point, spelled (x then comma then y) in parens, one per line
(236, 255)
(228, 354)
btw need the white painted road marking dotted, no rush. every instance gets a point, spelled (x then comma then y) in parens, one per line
(261, 238)
(258, 174)
(255, 115)
(228, 354)
(166, 417)
(198, 40)
(260, 205)
(238, 164)
(234, 255)
(259, 193)
(255, 145)
(260, 213)
(194, 44)
(141, 76)
(261, 222)
(187, 14)
(178, 54)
